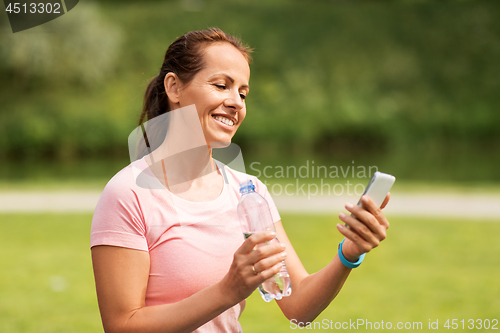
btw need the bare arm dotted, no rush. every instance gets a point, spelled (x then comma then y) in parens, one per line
(311, 294)
(121, 277)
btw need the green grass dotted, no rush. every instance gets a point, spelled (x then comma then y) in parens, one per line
(426, 269)
(46, 281)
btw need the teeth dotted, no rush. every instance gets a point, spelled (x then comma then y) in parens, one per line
(224, 120)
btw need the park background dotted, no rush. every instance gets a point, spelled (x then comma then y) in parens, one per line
(409, 86)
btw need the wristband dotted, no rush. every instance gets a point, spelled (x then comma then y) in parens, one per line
(346, 262)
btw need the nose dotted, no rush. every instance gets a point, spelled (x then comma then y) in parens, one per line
(234, 101)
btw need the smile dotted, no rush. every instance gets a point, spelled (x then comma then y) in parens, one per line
(224, 120)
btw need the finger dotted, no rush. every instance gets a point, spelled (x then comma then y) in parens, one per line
(354, 237)
(269, 262)
(386, 200)
(257, 238)
(270, 272)
(374, 210)
(365, 217)
(265, 251)
(361, 229)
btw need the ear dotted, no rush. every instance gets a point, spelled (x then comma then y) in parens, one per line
(172, 85)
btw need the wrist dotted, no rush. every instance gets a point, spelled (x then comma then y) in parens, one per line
(347, 262)
(348, 252)
(228, 295)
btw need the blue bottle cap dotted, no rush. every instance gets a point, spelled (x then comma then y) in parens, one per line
(246, 187)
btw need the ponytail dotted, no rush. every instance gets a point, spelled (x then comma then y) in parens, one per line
(155, 99)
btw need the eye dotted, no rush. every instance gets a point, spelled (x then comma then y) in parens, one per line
(220, 86)
(243, 96)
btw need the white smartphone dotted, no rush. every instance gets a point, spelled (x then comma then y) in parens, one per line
(378, 187)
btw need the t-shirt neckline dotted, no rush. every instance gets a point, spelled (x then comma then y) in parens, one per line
(220, 166)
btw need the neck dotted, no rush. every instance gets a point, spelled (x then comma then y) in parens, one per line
(184, 155)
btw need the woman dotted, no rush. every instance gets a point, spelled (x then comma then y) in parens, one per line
(172, 258)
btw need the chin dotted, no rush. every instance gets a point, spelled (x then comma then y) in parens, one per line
(219, 144)
(220, 141)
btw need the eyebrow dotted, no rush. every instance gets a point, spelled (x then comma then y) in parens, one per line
(231, 79)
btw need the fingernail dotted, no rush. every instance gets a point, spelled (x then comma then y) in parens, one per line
(342, 216)
(283, 245)
(283, 255)
(340, 226)
(348, 205)
(273, 233)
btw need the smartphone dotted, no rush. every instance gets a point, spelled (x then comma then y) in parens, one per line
(378, 187)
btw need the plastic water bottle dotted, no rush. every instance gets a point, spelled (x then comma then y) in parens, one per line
(255, 216)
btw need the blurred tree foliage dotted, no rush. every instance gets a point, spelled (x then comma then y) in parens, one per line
(414, 82)
(79, 49)
(46, 72)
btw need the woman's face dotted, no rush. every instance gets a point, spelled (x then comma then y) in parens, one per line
(218, 92)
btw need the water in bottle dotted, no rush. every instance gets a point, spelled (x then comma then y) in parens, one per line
(255, 216)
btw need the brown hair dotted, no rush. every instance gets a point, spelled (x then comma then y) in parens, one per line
(184, 57)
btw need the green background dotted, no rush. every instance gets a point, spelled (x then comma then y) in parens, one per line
(411, 87)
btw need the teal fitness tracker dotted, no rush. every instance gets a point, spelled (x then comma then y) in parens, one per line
(346, 262)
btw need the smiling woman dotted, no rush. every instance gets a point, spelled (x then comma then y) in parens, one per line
(172, 257)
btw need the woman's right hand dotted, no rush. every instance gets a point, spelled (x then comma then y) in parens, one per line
(253, 263)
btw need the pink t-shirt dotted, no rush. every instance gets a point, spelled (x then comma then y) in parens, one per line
(190, 244)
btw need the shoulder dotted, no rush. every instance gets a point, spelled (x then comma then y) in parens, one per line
(127, 186)
(123, 199)
(122, 182)
(118, 218)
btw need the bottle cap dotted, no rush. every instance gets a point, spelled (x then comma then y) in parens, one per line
(246, 187)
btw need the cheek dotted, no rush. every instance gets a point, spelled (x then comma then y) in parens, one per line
(242, 115)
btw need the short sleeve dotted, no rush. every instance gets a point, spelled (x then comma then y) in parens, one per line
(261, 188)
(118, 219)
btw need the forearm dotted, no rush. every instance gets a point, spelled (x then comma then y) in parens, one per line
(315, 292)
(183, 316)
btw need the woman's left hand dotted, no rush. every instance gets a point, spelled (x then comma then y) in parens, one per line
(367, 228)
